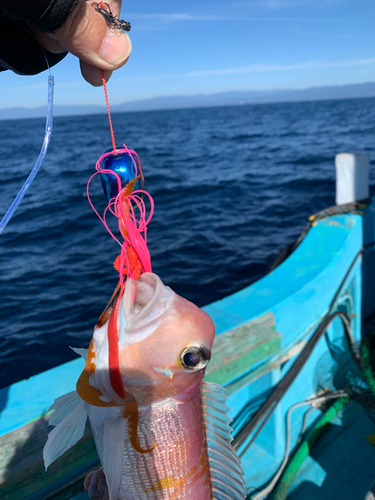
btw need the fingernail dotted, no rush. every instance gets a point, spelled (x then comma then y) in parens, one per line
(116, 47)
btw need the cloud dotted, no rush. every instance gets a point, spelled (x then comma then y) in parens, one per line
(162, 21)
(265, 68)
(170, 18)
(173, 17)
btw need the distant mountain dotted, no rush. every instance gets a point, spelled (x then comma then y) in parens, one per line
(353, 91)
(15, 113)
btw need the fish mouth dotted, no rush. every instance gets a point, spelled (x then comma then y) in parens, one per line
(144, 303)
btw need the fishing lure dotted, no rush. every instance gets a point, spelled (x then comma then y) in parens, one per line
(125, 163)
(121, 175)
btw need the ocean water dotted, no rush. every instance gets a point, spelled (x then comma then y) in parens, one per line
(232, 186)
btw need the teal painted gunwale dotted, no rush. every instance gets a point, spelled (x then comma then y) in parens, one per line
(297, 292)
(310, 276)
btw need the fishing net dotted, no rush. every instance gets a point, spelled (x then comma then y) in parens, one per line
(337, 370)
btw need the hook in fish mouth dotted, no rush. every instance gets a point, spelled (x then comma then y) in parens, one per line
(144, 303)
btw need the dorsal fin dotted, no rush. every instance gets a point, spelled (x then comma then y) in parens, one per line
(80, 351)
(226, 473)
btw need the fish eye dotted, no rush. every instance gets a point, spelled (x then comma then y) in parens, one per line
(195, 357)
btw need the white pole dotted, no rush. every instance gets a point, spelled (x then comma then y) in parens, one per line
(352, 177)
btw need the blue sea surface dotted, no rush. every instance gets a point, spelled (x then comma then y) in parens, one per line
(232, 186)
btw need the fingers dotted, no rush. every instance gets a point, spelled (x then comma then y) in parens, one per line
(86, 35)
(93, 75)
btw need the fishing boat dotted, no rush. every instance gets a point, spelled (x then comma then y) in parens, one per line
(294, 353)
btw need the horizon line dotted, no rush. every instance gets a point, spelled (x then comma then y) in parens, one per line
(268, 91)
(176, 107)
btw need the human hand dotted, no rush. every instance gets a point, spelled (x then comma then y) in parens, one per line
(86, 34)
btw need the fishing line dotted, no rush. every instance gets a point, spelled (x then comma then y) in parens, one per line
(108, 111)
(39, 161)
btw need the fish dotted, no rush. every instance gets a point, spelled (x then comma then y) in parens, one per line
(160, 430)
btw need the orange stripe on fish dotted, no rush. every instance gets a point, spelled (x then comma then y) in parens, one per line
(131, 412)
(86, 391)
(171, 482)
(113, 359)
(104, 317)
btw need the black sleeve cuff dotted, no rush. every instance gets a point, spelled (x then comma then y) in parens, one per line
(21, 52)
(44, 15)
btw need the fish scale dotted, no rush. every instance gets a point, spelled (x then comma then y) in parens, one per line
(164, 473)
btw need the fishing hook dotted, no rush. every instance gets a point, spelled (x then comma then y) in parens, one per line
(113, 21)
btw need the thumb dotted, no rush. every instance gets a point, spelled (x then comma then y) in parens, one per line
(86, 35)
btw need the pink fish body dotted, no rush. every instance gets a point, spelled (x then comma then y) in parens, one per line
(168, 435)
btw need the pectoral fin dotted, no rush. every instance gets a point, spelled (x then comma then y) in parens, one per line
(69, 417)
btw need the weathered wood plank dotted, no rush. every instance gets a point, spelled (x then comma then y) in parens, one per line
(22, 473)
(263, 369)
(236, 351)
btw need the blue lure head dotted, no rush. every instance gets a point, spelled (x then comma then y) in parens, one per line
(122, 163)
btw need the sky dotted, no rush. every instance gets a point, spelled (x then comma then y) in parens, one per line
(208, 46)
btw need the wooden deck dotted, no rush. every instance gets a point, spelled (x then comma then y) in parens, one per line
(22, 470)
